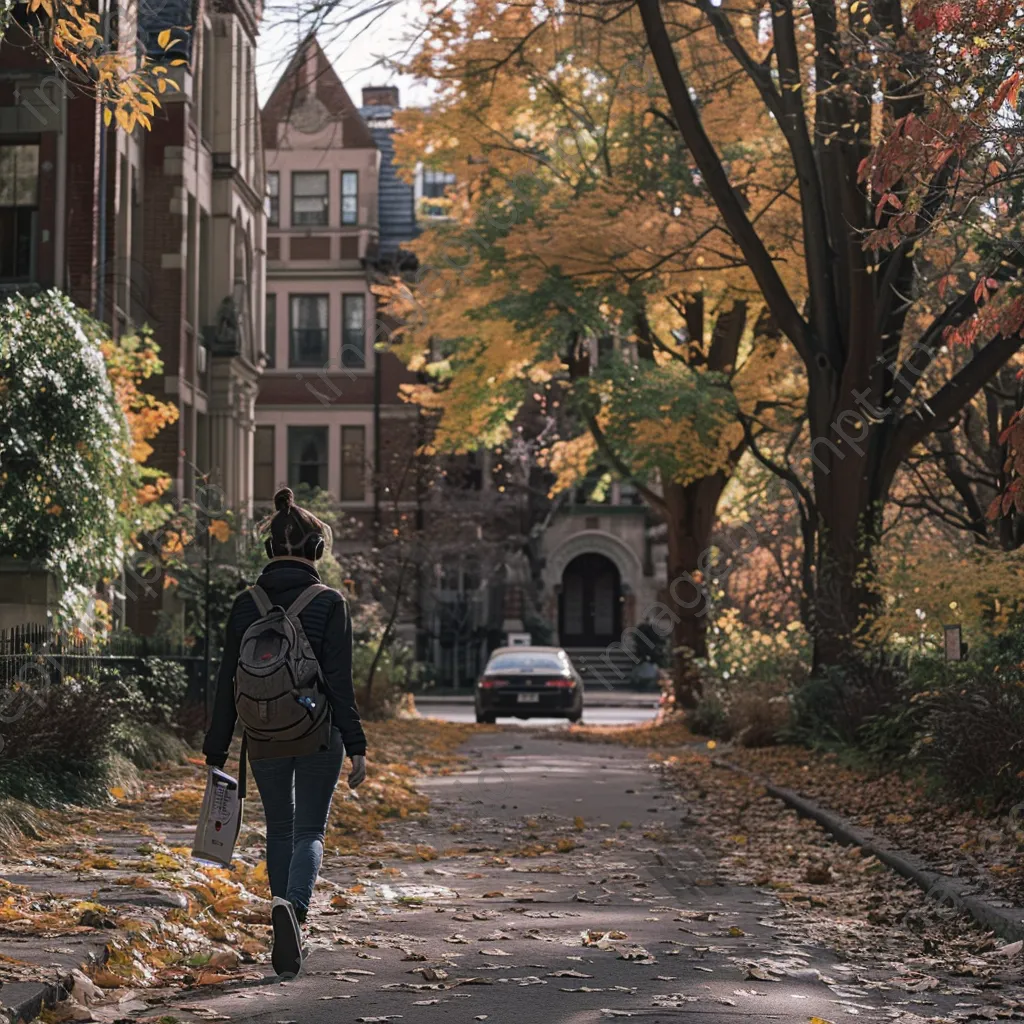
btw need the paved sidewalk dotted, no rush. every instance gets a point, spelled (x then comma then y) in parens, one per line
(563, 883)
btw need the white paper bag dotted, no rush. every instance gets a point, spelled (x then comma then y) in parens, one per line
(220, 818)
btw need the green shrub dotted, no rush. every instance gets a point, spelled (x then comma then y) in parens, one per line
(747, 681)
(58, 748)
(68, 466)
(391, 678)
(710, 717)
(70, 737)
(833, 704)
(968, 721)
(961, 724)
(162, 687)
(148, 746)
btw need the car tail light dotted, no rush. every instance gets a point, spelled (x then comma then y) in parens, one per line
(490, 684)
(565, 684)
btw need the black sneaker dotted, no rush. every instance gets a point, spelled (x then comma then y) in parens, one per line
(287, 954)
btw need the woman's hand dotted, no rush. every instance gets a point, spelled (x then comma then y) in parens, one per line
(358, 773)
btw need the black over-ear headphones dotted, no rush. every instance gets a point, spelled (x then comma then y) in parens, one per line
(313, 548)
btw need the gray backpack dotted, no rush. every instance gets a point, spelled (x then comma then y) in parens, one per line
(280, 701)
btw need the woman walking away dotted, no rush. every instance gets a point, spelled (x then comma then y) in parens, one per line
(287, 674)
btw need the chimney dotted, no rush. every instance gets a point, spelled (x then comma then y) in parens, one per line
(380, 96)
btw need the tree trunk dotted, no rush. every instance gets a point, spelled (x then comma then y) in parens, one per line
(852, 474)
(690, 518)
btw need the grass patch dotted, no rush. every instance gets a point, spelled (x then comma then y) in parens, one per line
(20, 821)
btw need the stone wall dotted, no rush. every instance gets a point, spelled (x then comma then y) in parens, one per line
(27, 594)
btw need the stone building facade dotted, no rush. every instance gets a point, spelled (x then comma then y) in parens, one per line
(603, 573)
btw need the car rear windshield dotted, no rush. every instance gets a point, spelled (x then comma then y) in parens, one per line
(526, 663)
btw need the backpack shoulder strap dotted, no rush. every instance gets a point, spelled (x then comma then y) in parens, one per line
(305, 597)
(259, 595)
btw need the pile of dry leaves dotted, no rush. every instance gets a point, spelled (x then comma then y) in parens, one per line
(905, 814)
(175, 923)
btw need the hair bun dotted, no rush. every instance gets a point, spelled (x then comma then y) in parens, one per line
(284, 499)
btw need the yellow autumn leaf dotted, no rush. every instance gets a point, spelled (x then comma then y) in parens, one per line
(107, 117)
(164, 39)
(220, 530)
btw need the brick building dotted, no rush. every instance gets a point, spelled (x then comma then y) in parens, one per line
(164, 228)
(329, 413)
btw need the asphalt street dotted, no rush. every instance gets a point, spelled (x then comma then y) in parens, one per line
(569, 887)
(594, 714)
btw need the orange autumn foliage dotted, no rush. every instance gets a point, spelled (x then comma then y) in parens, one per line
(131, 361)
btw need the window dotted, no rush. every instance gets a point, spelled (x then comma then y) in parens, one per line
(307, 457)
(349, 197)
(309, 199)
(270, 330)
(436, 183)
(526, 663)
(308, 330)
(19, 203)
(263, 478)
(353, 463)
(353, 330)
(273, 198)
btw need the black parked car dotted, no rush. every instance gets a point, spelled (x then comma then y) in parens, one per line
(529, 682)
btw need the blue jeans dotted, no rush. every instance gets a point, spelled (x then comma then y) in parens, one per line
(296, 794)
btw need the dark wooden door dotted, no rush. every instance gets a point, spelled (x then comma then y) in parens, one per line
(589, 605)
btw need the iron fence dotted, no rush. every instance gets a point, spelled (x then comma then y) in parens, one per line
(41, 655)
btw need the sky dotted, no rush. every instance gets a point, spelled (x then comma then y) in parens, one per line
(358, 52)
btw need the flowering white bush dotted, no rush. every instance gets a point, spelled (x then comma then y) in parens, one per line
(67, 476)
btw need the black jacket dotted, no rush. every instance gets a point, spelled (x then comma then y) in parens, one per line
(329, 628)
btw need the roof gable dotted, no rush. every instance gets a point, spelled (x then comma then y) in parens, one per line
(309, 96)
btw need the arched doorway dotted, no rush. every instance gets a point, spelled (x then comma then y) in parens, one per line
(589, 604)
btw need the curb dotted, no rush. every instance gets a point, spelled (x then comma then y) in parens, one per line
(30, 998)
(1006, 921)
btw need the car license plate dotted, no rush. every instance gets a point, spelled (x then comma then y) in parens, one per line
(529, 698)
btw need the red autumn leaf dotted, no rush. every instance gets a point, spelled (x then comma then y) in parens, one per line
(1006, 502)
(1007, 91)
(993, 509)
(892, 199)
